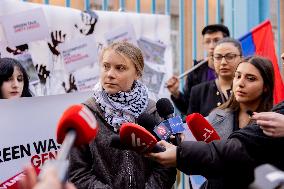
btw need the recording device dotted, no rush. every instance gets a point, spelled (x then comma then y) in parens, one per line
(137, 138)
(173, 123)
(267, 177)
(201, 129)
(77, 126)
(148, 121)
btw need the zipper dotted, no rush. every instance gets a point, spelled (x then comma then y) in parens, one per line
(128, 170)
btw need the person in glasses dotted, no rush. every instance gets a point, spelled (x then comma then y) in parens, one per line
(208, 95)
(253, 87)
(244, 144)
(211, 35)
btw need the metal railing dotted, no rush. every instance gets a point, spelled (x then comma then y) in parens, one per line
(105, 4)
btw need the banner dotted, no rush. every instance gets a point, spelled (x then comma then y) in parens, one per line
(69, 47)
(28, 128)
(25, 27)
(79, 53)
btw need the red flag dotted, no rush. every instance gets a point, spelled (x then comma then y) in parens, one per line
(264, 46)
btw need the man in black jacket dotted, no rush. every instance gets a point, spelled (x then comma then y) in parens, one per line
(211, 35)
(233, 159)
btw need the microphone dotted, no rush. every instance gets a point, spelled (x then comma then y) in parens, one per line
(80, 120)
(77, 126)
(201, 129)
(149, 122)
(136, 138)
(267, 177)
(165, 110)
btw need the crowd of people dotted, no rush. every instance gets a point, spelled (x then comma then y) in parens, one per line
(224, 90)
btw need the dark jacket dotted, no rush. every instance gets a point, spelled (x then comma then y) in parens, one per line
(99, 166)
(233, 159)
(204, 97)
(195, 77)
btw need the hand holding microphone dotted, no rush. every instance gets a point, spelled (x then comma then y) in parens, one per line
(77, 126)
(201, 130)
(49, 180)
(168, 157)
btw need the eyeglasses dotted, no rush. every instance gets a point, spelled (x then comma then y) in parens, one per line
(230, 57)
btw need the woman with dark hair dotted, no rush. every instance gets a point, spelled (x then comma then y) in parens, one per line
(208, 95)
(253, 87)
(14, 80)
(233, 159)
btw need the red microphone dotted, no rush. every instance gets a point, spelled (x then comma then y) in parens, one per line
(76, 126)
(201, 129)
(80, 119)
(137, 138)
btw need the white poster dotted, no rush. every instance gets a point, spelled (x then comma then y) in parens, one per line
(24, 27)
(67, 25)
(28, 128)
(122, 33)
(87, 77)
(78, 53)
(153, 51)
(27, 62)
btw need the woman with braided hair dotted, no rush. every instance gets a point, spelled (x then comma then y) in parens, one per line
(119, 97)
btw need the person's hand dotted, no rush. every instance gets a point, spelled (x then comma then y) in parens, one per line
(72, 84)
(49, 180)
(57, 37)
(271, 123)
(30, 179)
(173, 85)
(167, 158)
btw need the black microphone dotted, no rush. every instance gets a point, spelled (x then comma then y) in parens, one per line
(148, 121)
(165, 110)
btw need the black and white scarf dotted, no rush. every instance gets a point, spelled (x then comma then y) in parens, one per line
(123, 106)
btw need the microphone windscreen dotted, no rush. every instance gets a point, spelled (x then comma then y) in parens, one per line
(136, 138)
(201, 129)
(81, 119)
(148, 121)
(164, 107)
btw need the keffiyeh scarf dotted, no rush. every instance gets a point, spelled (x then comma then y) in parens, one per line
(123, 106)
